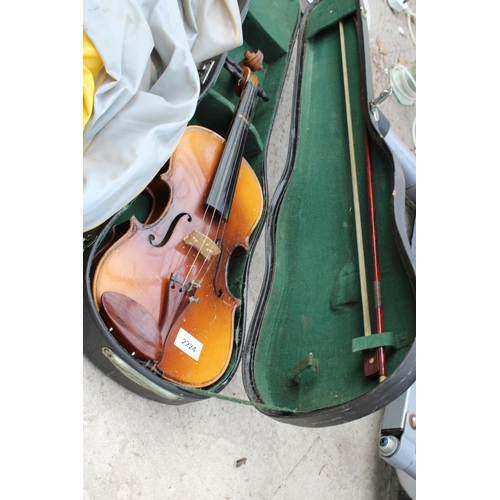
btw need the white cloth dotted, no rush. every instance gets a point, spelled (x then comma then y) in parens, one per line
(150, 50)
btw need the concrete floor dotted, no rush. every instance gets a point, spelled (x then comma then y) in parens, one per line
(134, 448)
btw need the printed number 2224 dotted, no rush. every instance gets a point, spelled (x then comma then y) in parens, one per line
(188, 345)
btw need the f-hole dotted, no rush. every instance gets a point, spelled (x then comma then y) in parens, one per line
(170, 230)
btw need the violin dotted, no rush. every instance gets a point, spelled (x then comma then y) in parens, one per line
(161, 287)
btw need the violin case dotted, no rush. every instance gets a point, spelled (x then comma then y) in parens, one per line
(300, 350)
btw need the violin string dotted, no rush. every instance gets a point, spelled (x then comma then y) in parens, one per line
(210, 225)
(211, 261)
(244, 112)
(206, 235)
(198, 253)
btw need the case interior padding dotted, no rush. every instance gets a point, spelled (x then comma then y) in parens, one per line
(314, 304)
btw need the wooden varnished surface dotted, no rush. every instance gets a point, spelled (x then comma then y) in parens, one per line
(142, 271)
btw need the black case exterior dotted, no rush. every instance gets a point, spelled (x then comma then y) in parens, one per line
(105, 353)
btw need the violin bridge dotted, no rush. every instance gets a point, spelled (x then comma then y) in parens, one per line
(203, 244)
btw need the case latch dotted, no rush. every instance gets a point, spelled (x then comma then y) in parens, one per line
(88, 240)
(375, 103)
(204, 70)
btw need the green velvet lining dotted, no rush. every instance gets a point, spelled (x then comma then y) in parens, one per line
(315, 303)
(269, 26)
(327, 13)
(386, 339)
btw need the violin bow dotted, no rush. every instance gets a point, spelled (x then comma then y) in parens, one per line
(369, 360)
(377, 290)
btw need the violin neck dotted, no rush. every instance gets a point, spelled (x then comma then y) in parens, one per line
(221, 193)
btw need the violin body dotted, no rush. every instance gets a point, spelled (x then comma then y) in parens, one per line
(179, 284)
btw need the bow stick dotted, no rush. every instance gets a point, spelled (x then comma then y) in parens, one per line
(370, 367)
(377, 290)
(357, 216)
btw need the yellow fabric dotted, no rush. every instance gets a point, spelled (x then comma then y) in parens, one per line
(92, 65)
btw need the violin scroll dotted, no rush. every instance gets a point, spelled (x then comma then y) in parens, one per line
(253, 60)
